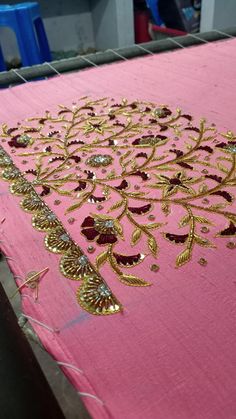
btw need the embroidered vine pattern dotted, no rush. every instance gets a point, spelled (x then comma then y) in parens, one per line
(123, 160)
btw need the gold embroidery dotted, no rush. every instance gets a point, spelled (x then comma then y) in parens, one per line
(58, 241)
(123, 159)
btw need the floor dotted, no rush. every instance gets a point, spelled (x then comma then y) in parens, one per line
(66, 395)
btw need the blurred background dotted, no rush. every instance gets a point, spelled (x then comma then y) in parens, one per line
(80, 27)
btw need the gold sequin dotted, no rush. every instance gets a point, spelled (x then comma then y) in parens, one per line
(96, 297)
(75, 265)
(45, 220)
(58, 241)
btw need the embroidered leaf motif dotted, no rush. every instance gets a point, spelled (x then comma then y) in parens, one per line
(45, 191)
(223, 168)
(124, 184)
(206, 148)
(128, 261)
(142, 155)
(201, 220)
(136, 236)
(101, 259)
(134, 281)
(178, 153)
(176, 238)
(95, 199)
(74, 207)
(115, 206)
(154, 225)
(143, 175)
(203, 188)
(165, 208)
(183, 258)
(82, 185)
(229, 231)
(152, 244)
(140, 210)
(185, 165)
(184, 221)
(226, 195)
(202, 241)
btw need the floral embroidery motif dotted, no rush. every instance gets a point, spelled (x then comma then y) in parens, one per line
(95, 295)
(75, 265)
(20, 141)
(58, 241)
(135, 163)
(102, 228)
(177, 183)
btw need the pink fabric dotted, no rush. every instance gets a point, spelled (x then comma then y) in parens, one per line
(171, 353)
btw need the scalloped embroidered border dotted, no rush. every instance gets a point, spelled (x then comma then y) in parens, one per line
(93, 295)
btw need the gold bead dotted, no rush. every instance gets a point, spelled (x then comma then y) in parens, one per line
(57, 202)
(231, 245)
(154, 268)
(205, 229)
(202, 262)
(71, 220)
(90, 249)
(99, 207)
(151, 217)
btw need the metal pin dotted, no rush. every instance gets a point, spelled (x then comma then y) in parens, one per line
(33, 279)
(88, 61)
(118, 55)
(144, 49)
(19, 75)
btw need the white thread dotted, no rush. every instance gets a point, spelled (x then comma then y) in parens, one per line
(175, 42)
(92, 396)
(223, 33)
(88, 61)
(10, 258)
(41, 324)
(144, 49)
(19, 75)
(65, 364)
(53, 68)
(197, 37)
(18, 277)
(118, 55)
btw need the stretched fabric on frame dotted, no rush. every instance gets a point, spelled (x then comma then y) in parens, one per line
(121, 181)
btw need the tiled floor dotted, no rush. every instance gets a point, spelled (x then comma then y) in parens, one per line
(66, 395)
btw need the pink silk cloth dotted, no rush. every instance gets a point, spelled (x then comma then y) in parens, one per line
(145, 189)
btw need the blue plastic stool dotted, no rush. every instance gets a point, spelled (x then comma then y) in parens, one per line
(25, 20)
(153, 6)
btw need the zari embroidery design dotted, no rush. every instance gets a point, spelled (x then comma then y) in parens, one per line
(125, 164)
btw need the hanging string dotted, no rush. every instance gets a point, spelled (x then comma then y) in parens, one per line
(198, 38)
(144, 49)
(54, 330)
(19, 75)
(92, 396)
(118, 55)
(175, 42)
(88, 61)
(53, 68)
(65, 364)
(223, 33)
